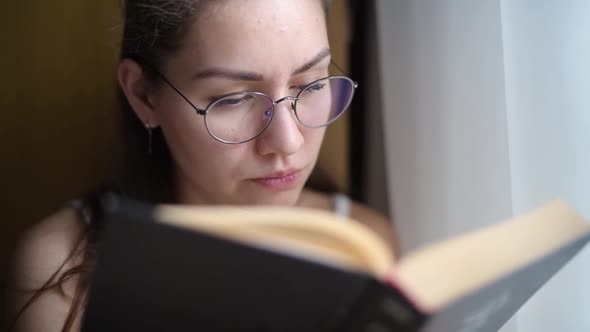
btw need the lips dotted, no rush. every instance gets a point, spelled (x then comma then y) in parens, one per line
(280, 179)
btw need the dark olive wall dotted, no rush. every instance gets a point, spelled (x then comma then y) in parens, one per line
(57, 125)
(334, 157)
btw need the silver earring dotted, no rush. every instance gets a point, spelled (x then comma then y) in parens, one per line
(149, 130)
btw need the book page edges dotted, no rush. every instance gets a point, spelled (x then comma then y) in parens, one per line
(305, 233)
(441, 273)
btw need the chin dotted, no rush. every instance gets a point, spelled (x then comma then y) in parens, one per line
(283, 198)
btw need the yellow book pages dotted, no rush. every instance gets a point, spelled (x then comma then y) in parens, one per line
(312, 234)
(474, 259)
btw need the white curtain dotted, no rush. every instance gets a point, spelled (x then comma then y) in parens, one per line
(486, 108)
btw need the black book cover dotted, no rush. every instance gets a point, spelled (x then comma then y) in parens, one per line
(155, 277)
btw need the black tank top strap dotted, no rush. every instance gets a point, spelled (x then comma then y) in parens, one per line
(88, 208)
(82, 209)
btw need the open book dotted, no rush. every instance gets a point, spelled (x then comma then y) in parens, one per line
(173, 268)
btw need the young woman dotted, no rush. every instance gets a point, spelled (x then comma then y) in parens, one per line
(223, 102)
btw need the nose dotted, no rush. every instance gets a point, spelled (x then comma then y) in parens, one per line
(283, 135)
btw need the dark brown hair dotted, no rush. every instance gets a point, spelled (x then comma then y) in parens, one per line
(153, 31)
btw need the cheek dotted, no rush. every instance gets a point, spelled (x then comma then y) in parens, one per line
(171, 108)
(180, 120)
(181, 125)
(194, 150)
(186, 134)
(313, 139)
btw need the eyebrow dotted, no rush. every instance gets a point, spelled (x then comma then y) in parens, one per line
(240, 75)
(314, 61)
(228, 73)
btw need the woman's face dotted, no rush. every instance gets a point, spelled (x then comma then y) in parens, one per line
(270, 46)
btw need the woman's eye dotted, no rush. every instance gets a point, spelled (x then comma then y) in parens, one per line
(229, 102)
(316, 87)
(234, 101)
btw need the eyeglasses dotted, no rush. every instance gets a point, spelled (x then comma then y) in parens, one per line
(242, 116)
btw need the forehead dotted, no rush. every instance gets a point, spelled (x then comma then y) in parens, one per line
(256, 34)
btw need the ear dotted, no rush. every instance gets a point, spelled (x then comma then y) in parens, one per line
(138, 90)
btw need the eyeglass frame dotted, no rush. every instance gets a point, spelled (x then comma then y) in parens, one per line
(204, 112)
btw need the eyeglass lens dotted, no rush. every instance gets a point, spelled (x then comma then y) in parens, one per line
(243, 116)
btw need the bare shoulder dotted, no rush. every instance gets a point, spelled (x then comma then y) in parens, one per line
(358, 212)
(43, 248)
(44, 252)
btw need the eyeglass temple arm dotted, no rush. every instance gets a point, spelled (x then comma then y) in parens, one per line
(198, 110)
(355, 84)
(139, 60)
